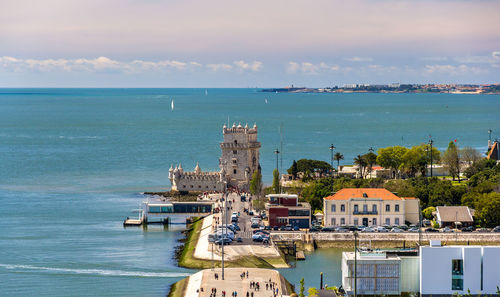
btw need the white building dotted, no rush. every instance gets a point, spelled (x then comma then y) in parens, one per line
(380, 273)
(448, 270)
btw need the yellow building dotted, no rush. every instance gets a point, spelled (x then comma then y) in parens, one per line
(369, 207)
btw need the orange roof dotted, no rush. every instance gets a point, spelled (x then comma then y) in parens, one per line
(348, 193)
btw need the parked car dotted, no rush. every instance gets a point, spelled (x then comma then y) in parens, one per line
(275, 228)
(468, 229)
(483, 230)
(431, 230)
(328, 229)
(341, 229)
(296, 228)
(368, 230)
(257, 237)
(236, 227)
(223, 241)
(267, 228)
(413, 229)
(288, 227)
(239, 239)
(315, 228)
(496, 229)
(397, 230)
(381, 229)
(447, 230)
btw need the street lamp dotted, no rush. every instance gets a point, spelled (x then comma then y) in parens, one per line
(332, 147)
(430, 143)
(277, 152)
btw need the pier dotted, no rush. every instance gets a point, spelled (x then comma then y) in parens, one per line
(160, 211)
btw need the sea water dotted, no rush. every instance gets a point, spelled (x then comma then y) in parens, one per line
(73, 163)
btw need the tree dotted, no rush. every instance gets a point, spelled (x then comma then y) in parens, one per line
(301, 289)
(470, 155)
(313, 292)
(391, 157)
(276, 181)
(361, 162)
(294, 169)
(311, 166)
(451, 159)
(370, 159)
(256, 183)
(427, 213)
(337, 157)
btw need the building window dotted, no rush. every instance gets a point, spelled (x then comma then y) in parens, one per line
(388, 208)
(342, 207)
(235, 161)
(356, 222)
(365, 208)
(191, 186)
(457, 272)
(199, 187)
(236, 142)
(396, 208)
(334, 208)
(374, 222)
(388, 221)
(334, 222)
(342, 221)
(374, 208)
(356, 208)
(234, 171)
(235, 152)
(396, 221)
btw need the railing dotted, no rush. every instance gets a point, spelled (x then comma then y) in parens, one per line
(365, 212)
(240, 145)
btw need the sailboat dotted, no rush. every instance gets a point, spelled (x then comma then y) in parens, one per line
(172, 104)
(206, 92)
(265, 100)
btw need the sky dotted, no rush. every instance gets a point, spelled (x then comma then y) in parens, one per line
(258, 43)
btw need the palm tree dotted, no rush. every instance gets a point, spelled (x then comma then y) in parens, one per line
(338, 156)
(361, 162)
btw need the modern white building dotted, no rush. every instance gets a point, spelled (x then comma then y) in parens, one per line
(380, 272)
(448, 270)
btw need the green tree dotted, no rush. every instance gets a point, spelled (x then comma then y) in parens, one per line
(451, 159)
(276, 181)
(256, 183)
(301, 289)
(311, 166)
(338, 157)
(361, 162)
(312, 292)
(370, 159)
(488, 208)
(391, 157)
(427, 213)
(293, 170)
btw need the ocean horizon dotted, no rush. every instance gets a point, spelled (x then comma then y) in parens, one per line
(73, 162)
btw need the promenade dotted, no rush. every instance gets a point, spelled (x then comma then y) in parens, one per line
(209, 283)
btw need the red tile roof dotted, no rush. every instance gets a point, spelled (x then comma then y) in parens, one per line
(347, 193)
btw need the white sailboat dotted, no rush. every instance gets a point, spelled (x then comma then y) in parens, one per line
(266, 100)
(172, 104)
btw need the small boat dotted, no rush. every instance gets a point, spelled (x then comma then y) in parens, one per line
(172, 104)
(206, 92)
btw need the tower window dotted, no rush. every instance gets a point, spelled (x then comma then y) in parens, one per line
(235, 152)
(236, 142)
(234, 171)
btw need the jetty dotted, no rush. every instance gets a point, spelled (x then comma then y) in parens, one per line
(162, 211)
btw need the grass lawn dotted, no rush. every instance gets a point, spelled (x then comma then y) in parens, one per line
(178, 289)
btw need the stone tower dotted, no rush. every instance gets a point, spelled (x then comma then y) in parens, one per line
(240, 155)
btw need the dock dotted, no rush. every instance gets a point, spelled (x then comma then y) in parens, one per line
(300, 255)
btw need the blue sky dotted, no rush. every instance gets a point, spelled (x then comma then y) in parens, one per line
(227, 43)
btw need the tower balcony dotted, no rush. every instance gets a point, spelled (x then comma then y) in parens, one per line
(230, 145)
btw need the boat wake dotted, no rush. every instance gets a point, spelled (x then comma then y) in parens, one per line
(100, 272)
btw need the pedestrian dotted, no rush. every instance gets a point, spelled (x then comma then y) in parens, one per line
(247, 273)
(267, 286)
(248, 294)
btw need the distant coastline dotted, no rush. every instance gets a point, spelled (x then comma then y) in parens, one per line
(395, 88)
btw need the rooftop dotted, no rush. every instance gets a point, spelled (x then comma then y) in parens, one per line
(454, 214)
(375, 193)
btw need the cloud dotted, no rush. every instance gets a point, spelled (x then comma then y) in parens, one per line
(359, 59)
(453, 69)
(309, 68)
(218, 67)
(254, 66)
(104, 64)
(434, 59)
(496, 55)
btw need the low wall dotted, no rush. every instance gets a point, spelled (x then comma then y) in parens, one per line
(471, 238)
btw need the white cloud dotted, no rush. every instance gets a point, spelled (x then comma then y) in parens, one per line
(254, 66)
(453, 69)
(434, 59)
(310, 68)
(496, 55)
(104, 64)
(218, 67)
(359, 59)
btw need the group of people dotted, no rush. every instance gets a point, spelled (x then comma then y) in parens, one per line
(253, 287)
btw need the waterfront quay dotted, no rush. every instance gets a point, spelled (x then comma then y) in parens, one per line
(256, 282)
